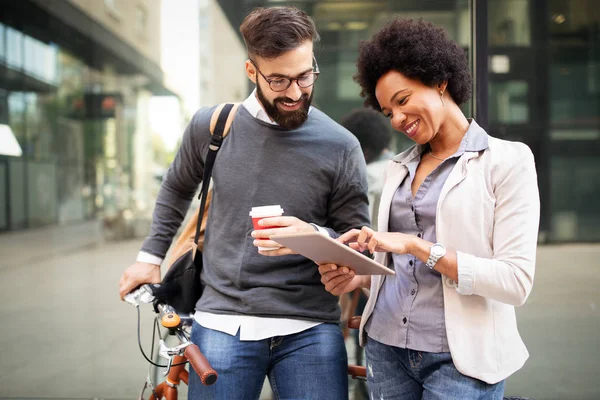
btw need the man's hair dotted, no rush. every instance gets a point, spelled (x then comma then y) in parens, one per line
(270, 32)
(418, 50)
(371, 129)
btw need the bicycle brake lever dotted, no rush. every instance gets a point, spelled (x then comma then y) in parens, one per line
(142, 295)
(131, 298)
(169, 352)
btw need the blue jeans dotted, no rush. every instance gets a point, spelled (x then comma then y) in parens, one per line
(395, 373)
(307, 365)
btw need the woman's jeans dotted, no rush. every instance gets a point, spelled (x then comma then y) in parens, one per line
(395, 373)
(307, 365)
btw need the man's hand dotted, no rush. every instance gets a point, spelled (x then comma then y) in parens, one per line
(283, 225)
(339, 280)
(138, 274)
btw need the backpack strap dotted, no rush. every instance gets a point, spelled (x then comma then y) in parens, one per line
(220, 122)
(228, 122)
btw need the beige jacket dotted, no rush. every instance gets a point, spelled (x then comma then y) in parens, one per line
(488, 211)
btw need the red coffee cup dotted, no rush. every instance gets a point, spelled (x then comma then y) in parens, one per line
(258, 213)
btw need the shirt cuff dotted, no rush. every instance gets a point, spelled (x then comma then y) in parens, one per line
(466, 274)
(148, 258)
(319, 229)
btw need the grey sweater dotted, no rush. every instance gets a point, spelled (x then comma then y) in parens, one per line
(316, 173)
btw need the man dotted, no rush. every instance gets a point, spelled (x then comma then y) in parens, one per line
(266, 313)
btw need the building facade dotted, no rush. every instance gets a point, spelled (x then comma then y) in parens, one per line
(222, 57)
(76, 77)
(536, 69)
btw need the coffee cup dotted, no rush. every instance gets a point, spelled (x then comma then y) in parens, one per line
(258, 213)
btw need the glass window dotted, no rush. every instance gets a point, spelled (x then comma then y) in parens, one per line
(69, 141)
(50, 64)
(3, 196)
(16, 116)
(509, 102)
(347, 88)
(40, 119)
(574, 70)
(70, 187)
(17, 193)
(42, 196)
(39, 59)
(29, 56)
(14, 48)
(574, 94)
(575, 190)
(509, 23)
(2, 37)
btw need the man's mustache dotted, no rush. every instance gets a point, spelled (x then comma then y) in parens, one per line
(304, 97)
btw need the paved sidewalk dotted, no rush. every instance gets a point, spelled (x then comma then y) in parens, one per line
(560, 324)
(20, 247)
(66, 334)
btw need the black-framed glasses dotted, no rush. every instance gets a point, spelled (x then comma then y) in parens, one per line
(280, 84)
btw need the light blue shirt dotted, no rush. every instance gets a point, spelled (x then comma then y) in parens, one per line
(410, 307)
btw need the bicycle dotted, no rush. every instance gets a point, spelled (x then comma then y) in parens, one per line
(177, 326)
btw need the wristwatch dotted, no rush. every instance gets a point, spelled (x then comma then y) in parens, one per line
(436, 252)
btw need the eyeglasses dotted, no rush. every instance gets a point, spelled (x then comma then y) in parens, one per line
(281, 84)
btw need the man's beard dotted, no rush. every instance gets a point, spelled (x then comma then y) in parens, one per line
(286, 119)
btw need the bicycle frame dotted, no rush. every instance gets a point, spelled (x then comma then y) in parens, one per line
(169, 388)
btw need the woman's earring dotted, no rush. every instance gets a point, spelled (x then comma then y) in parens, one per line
(442, 97)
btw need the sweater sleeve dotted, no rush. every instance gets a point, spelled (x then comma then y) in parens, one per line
(179, 185)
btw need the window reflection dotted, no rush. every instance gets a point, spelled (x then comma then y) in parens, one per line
(547, 95)
(2, 39)
(3, 196)
(574, 93)
(509, 102)
(74, 164)
(509, 23)
(14, 54)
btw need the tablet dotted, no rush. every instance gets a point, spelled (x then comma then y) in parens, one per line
(323, 249)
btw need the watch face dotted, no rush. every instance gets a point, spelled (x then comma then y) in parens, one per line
(438, 251)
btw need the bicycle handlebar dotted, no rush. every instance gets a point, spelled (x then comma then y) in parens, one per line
(152, 293)
(207, 374)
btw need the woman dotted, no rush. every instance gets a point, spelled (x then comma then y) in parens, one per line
(458, 221)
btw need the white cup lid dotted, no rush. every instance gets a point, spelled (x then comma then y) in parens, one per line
(266, 211)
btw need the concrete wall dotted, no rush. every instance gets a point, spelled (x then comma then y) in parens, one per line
(122, 17)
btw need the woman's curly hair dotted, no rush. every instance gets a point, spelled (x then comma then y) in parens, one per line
(418, 50)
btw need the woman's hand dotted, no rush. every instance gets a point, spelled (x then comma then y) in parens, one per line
(339, 280)
(368, 239)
